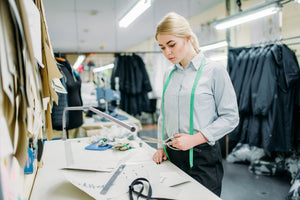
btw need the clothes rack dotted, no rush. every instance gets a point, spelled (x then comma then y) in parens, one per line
(115, 52)
(270, 42)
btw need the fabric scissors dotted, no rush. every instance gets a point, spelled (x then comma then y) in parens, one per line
(163, 142)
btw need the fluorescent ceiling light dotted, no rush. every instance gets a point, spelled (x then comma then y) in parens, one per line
(78, 61)
(134, 13)
(248, 15)
(105, 67)
(214, 46)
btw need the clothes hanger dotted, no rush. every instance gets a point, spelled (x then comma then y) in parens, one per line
(60, 59)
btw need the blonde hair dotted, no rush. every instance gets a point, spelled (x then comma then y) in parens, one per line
(175, 24)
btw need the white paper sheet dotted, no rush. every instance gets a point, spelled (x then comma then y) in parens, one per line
(91, 160)
(58, 86)
(34, 23)
(171, 179)
(6, 147)
(93, 182)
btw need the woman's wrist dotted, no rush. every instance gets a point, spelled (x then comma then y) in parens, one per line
(200, 138)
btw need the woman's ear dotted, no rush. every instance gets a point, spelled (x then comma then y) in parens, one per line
(188, 38)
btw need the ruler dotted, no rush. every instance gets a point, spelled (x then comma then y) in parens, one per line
(112, 179)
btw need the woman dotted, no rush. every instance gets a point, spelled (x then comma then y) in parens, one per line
(198, 105)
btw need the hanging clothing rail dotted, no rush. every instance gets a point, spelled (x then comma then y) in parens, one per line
(293, 43)
(142, 52)
(270, 42)
(114, 52)
(290, 38)
(136, 52)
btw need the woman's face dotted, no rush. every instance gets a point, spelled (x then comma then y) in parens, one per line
(173, 47)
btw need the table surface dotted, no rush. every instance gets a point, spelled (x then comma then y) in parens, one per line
(53, 182)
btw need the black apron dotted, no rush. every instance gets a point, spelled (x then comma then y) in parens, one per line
(207, 169)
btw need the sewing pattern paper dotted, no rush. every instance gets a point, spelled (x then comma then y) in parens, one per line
(6, 148)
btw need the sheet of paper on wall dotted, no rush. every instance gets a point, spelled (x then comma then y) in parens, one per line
(38, 122)
(6, 76)
(6, 147)
(7, 189)
(1, 192)
(52, 69)
(34, 22)
(10, 176)
(30, 119)
(45, 102)
(58, 86)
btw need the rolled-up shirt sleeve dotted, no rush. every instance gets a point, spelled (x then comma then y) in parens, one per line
(226, 106)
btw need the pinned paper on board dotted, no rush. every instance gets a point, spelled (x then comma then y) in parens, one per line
(7, 189)
(10, 177)
(6, 147)
(34, 23)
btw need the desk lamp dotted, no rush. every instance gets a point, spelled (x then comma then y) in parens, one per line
(117, 121)
(68, 150)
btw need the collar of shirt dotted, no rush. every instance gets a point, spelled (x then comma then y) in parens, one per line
(195, 62)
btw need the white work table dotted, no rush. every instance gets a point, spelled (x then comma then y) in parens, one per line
(54, 183)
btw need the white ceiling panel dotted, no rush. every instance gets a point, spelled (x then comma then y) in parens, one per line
(92, 25)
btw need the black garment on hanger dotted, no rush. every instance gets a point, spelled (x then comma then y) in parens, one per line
(134, 84)
(73, 82)
(57, 109)
(297, 113)
(265, 79)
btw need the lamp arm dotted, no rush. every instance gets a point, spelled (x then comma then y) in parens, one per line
(123, 124)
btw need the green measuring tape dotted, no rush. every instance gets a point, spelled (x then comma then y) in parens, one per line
(191, 153)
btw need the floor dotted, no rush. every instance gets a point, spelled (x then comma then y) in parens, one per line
(239, 183)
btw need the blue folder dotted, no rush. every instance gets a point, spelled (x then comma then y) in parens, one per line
(94, 146)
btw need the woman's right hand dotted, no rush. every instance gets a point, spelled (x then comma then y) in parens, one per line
(159, 156)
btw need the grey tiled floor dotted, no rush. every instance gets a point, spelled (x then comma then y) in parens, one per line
(240, 184)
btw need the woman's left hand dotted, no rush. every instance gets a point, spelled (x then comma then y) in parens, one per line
(185, 141)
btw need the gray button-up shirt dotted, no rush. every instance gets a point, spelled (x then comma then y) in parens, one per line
(215, 105)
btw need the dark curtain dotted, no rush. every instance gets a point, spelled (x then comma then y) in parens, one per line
(266, 82)
(134, 83)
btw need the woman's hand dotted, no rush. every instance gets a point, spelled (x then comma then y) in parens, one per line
(185, 141)
(159, 156)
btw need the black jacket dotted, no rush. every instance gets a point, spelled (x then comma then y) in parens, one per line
(265, 83)
(73, 82)
(134, 84)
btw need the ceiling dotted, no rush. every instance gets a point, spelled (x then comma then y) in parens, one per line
(78, 26)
